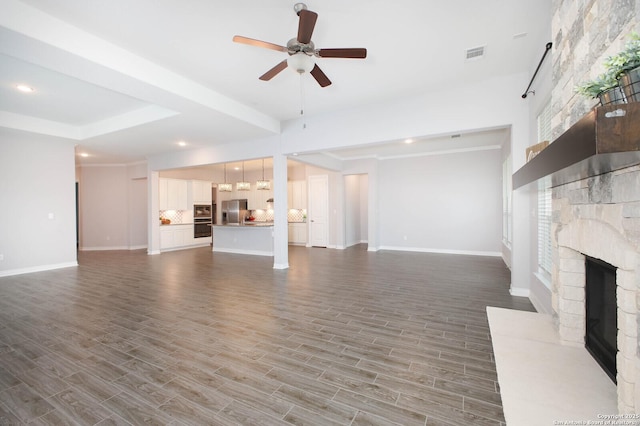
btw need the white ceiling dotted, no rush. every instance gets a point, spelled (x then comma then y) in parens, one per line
(129, 79)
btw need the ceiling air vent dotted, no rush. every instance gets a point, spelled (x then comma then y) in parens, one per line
(475, 53)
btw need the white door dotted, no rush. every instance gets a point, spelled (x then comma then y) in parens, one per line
(318, 199)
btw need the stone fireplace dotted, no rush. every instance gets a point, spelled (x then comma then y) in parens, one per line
(597, 213)
(599, 217)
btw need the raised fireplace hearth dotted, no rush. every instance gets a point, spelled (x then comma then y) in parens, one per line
(601, 308)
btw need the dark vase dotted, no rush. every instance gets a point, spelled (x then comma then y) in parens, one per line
(612, 96)
(630, 84)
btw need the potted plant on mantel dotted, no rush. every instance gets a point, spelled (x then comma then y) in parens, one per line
(620, 83)
(604, 87)
(626, 67)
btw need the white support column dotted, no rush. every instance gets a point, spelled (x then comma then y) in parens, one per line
(153, 227)
(280, 224)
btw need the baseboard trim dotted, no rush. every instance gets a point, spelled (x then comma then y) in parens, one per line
(108, 248)
(39, 268)
(443, 251)
(183, 247)
(519, 292)
(280, 266)
(237, 251)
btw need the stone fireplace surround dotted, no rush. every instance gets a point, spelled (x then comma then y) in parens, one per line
(600, 217)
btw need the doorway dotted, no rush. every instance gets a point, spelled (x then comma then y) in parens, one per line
(356, 194)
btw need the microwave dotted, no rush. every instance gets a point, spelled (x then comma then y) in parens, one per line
(202, 211)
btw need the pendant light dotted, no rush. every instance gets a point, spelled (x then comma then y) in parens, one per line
(225, 187)
(263, 184)
(244, 185)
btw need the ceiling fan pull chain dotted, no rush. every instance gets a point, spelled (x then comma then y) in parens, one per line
(301, 95)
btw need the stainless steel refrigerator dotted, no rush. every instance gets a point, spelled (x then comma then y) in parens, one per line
(234, 211)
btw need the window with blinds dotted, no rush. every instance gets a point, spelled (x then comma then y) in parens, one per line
(544, 199)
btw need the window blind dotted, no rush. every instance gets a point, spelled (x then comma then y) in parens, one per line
(544, 199)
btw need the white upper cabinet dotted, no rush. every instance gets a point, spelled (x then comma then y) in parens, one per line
(297, 194)
(173, 194)
(200, 192)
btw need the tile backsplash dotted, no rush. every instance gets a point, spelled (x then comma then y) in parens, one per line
(293, 215)
(175, 216)
(297, 215)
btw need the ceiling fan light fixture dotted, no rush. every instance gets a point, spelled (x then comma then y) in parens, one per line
(300, 62)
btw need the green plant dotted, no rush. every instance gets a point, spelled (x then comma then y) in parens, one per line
(593, 88)
(615, 65)
(627, 59)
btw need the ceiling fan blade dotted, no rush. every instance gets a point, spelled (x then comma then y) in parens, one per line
(273, 71)
(320, 77)
(258, 43)
(306, 25)
(359, 53)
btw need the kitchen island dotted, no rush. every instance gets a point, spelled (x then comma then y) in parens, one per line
(255, 238)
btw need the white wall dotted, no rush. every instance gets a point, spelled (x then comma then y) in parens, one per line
(37, 178)
(539, 291)
(138, 213)
(442, 203)
(113, 207)
(352, 210)
(104, 218)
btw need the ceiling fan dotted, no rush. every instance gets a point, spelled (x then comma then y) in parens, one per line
(301, 49)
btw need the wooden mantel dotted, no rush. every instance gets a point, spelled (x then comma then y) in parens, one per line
(604, 140)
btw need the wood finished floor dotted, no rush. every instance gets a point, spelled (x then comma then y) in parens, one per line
(343, 337)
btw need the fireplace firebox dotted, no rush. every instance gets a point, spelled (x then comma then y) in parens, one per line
(601, 314)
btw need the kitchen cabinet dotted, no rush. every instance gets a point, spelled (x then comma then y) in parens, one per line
(297, 194)
(243, 239)
(176, 236)
(258, 199)
(298, 233)
(200, 192)
(173, 194)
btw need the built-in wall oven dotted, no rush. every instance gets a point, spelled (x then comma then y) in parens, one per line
(202, 221)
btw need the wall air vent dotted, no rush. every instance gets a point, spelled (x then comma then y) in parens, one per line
(475, 53)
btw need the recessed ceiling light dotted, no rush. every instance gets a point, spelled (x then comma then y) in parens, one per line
(182, 143)
(236, 168)
(408, 141)
(25, 89)
(84, 154)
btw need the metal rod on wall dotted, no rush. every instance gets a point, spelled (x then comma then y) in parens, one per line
(526, 92)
